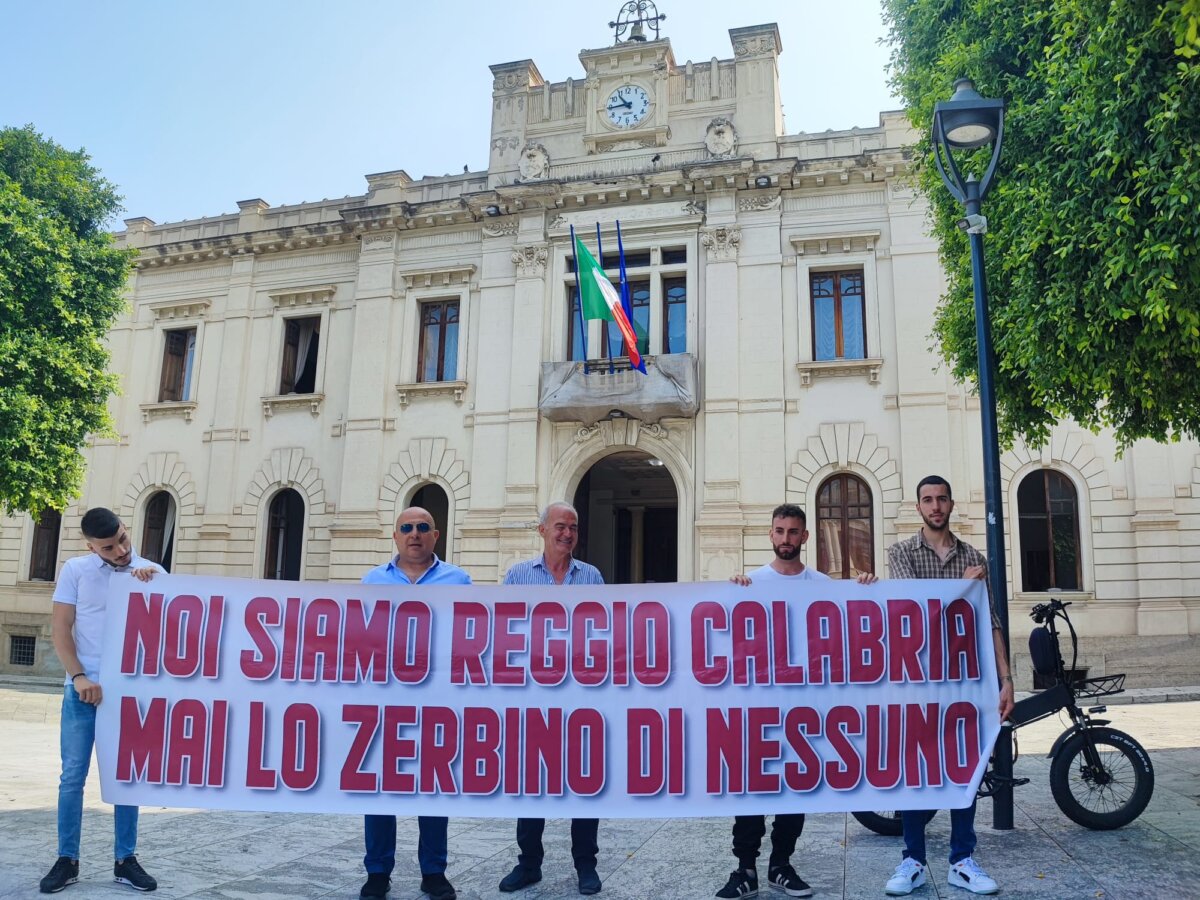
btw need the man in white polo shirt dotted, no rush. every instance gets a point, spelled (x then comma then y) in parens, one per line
(80, 604)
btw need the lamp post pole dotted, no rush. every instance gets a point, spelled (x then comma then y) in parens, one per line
(967, 121)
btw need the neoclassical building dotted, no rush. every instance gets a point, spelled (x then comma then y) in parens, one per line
(293, 376)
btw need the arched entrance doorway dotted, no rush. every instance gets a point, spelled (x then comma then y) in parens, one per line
(629, 519)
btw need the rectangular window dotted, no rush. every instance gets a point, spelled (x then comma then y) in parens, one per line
(179, 354)
(674, 292)
(576, 326)
(21, 649)
(838, 315)
(437, 355)
(43, 560)
(639, 299)
(301, 344)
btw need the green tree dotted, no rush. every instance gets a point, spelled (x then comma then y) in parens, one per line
(1093, 248)
(60, 290)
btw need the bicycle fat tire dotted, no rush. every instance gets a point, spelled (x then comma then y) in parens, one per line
(1111, 798)
(885, 823)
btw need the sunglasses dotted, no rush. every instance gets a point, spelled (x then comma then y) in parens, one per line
(422, 528)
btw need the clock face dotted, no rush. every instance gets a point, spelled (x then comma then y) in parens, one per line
(627, 106)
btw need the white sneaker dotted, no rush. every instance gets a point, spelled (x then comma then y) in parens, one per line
(966, 874)
(909, 876)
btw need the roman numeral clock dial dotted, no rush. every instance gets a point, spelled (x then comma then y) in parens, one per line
(627, 106)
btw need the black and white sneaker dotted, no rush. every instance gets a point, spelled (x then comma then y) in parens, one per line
(742, 884)
(784, 878)
(129, 871)
(64, 871)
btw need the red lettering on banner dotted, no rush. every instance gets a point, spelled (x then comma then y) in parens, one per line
(259, 664)
(301, 746)
(760, 749)
(215, 774)
(785, 671)
(514, 747)
(751, 643)
(651, 646)
(143, 634)
(921, 743)
(937, 655)
(620, 648)
(676, 751)
(481, 750)
(824, 623)
(505, 642)
(187, 737)
(365, 644)
(412, 638)
(469, 641)
(353, 777)
(290, 659)
(439, 749)
(259, 776)
(585, 752)
(708, 669)
(961, 646)
(543, 749)
(960, 741)
(589, 656)
(322, 637)
(548, 658)
(906, 638)
(845, 772)
(865, 637)
(884, 732)
(799, 724)
(142, 745)
(397, 749)
(214, 621)
(645, 757)
(181, 638)
(725, 753)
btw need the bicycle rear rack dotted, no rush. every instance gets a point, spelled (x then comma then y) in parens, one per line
(1103, 686)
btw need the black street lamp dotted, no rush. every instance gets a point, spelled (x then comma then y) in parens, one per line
(964, 122)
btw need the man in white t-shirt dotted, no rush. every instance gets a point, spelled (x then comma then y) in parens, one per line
(789, 531)
(80, 604)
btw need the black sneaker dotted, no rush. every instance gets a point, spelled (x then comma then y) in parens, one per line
(437, 887)
(589, 881)
(784, 878)
(518, 878)
(742, 884)
(377, 885)
(129, 871)
(64, 871)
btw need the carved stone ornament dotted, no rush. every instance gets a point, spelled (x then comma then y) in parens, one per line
(721, 243)
(587, 432)
(628, 145)
(755, 45)
(694, 207)
(505, 143)
(758, 204)
(530, 260)
(721, 137)
(500, 229)
(534, 162)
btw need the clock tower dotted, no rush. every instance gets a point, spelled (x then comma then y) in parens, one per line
(627, 95)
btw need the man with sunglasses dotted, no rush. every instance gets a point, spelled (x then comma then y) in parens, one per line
(559, 530)
(414, 563)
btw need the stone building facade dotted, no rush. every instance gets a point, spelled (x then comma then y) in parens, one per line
(293, 376)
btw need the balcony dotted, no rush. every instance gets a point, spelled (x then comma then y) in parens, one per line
(588, 392)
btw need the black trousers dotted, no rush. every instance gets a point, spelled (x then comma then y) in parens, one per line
(583, 842)
(748, 833)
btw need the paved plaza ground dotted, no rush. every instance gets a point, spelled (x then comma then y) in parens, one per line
(219, 855)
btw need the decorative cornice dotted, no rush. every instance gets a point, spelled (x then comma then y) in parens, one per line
(443, 276)
(318, 295)
(181, 409)
(179, 309)
(850, 242)
(284, 402)
(810, 369)
(407, 392)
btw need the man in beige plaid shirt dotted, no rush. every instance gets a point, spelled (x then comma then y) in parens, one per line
(936, 552)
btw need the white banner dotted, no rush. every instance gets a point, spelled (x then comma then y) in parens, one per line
(657, 700)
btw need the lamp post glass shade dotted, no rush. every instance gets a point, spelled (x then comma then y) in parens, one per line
(968, 120)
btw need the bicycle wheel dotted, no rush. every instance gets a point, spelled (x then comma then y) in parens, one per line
(885, 823)
(1110, 794)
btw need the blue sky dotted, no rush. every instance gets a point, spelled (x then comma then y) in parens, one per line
(191, 107)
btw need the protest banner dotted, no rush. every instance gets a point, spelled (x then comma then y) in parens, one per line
(656, 700)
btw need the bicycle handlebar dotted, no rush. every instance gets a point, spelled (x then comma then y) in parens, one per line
(1043, 611)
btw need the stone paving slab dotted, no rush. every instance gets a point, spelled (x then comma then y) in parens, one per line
(278, 856)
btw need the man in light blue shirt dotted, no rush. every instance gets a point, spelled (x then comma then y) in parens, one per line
(559, 528)
(414, 563)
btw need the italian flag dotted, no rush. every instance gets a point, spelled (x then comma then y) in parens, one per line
(600, 300)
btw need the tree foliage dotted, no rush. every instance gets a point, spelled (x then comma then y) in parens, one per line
(1093, 248)
(60, 290)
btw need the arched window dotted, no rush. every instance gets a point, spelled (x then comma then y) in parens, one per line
(1049, 525)
(43, 558)
(158, 532)
(285, 536)
(433, 500)
(845, 527)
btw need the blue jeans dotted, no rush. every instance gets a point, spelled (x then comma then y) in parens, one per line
(76, 736)
(380, 835)
(962, 833)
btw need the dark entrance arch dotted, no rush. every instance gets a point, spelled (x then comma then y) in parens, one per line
(432, 499)
(285, 536)
(629, 519)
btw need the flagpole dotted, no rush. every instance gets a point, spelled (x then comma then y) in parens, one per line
(579, 297)
(608, 337)
(626, 301)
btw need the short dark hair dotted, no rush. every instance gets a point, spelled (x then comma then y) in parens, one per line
(934, 479)
(789, 511)
(99, 523)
